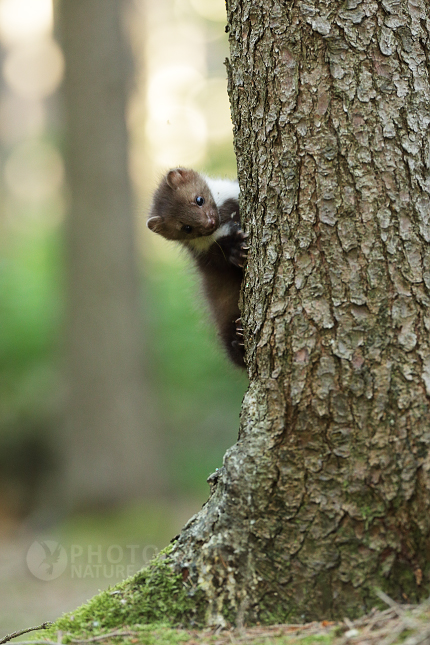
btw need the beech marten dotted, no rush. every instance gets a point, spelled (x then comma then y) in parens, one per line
(203, 215)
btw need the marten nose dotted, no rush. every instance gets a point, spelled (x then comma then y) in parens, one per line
(210, 223)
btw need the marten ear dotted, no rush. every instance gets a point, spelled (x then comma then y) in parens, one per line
(154, 223)
(176, 177)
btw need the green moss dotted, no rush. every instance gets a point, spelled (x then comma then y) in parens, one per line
(275, 614)
(163, 635)
(156, 595)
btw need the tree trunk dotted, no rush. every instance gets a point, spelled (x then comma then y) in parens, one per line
(109, 450)
(325, 496)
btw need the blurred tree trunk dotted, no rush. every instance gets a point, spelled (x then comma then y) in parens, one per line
(326, 495)
(109, 449)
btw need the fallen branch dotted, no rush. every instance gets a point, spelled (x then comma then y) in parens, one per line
(37, 642)
(9, 637)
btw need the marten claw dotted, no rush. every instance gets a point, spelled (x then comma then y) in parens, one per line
(243, 258)
(239, 331)
(238, 252)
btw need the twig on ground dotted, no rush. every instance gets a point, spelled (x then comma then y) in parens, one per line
(9, 637)
(37, 642)
(418, 639)
(407, 620)
(399, 629)
(390, 602)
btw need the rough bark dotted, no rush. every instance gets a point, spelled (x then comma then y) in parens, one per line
(108, 444)
(325, 496)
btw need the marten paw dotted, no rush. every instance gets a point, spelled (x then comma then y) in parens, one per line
(233, 342)
(239, 251)
(237, 349)
(239, 332)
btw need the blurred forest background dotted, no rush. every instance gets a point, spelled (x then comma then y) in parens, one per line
(116, 401)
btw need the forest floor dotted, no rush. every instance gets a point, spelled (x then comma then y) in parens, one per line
(26, 600)
(406, 624)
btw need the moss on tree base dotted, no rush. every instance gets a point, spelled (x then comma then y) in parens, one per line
(397, 621)
(155, 595)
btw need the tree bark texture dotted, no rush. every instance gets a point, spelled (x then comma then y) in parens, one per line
(325, 496)
(108, 446)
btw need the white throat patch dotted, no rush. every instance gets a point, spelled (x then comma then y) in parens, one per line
(201, 244)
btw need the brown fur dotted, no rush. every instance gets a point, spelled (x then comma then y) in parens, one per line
(220, 260)
(174, 206)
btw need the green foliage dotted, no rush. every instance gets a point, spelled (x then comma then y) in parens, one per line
(196, 393)
(154, 595)
(30, 389)
(30, 311)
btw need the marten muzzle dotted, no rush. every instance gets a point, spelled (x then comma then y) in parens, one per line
(210, 224)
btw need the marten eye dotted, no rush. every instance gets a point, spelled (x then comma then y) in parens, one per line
(187, 228)
(200, 200)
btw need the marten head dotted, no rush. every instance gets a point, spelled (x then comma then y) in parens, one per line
(183, 207)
